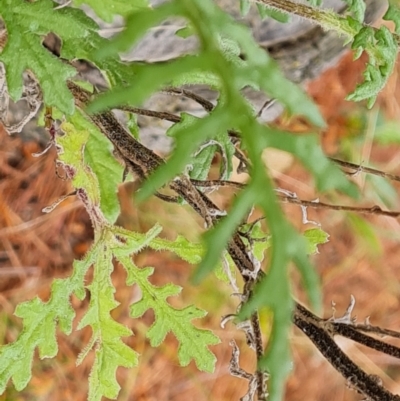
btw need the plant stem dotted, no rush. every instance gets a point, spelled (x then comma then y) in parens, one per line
(328, 20)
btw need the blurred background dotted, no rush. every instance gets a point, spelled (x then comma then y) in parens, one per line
(362, 258)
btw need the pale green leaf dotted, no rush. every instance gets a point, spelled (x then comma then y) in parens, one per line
(193, 342)
(98, 155)
(39, 321)
(393, 14)
(110, 352)
(382, 51)
(72, 146)
(186, 250)
(315, 237)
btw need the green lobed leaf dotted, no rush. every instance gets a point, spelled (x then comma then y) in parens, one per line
(382, 51)
(110, 352)
(85, 46)
(39, 326)
(193, 342)
(315, 237)
(153, 77)
(27, 23)
(186, 250)
(171, 71)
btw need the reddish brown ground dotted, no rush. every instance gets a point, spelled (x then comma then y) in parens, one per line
(36, 247)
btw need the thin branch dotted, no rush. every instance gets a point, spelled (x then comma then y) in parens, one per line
(328, 20)
(267, 104)
(206, 104)
(376, 210)
(377, 330)
(167, 198)
(244, 163)
(317, 16)
(261, 385)
(310, 324)
(217, 184)
(162, 115)
(320, 205)
(369, 170)
(351, 332)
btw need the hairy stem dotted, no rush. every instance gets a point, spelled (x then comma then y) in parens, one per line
(328, 20)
